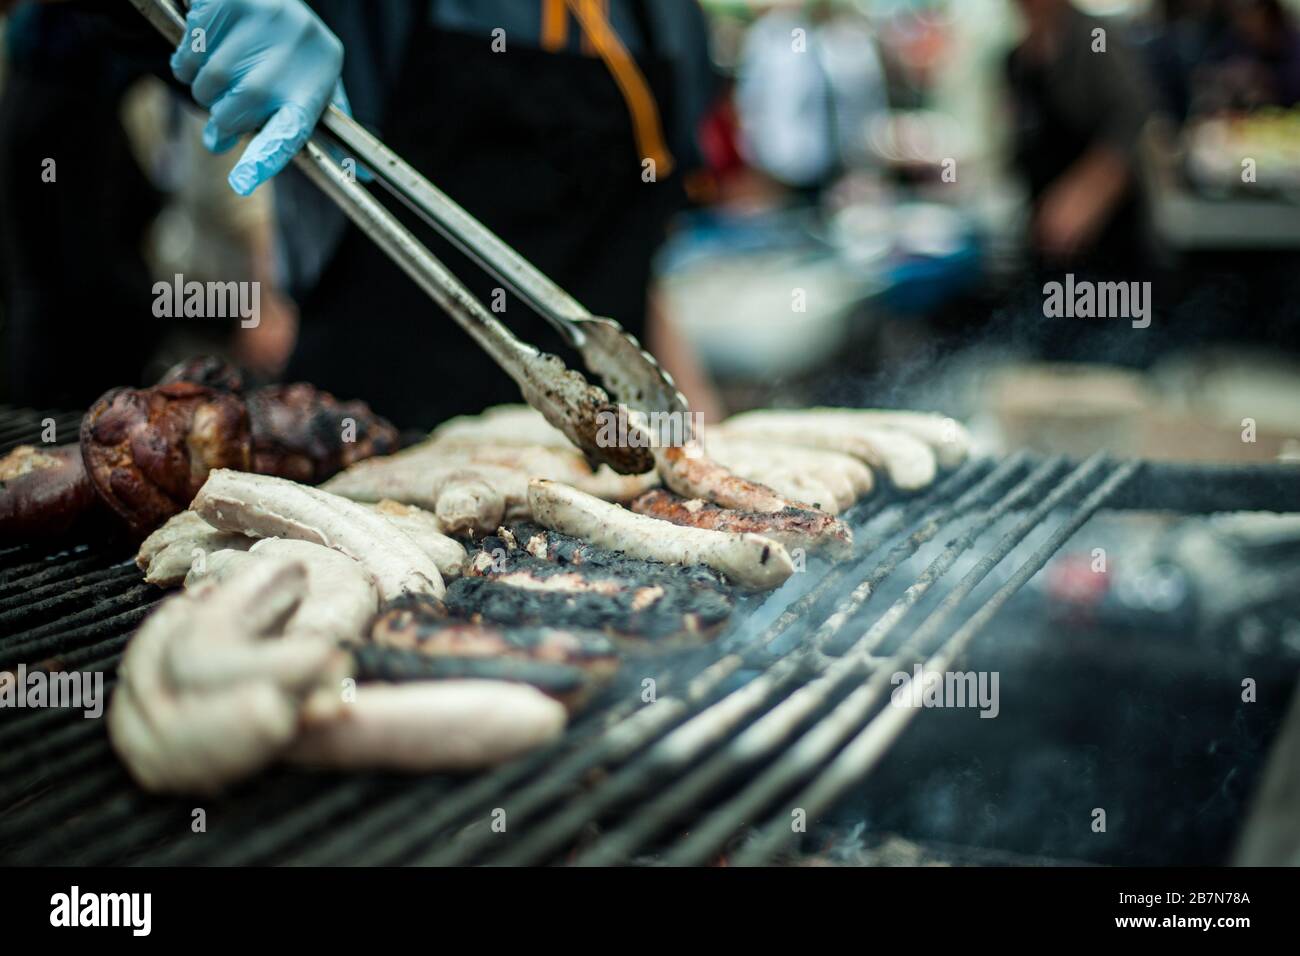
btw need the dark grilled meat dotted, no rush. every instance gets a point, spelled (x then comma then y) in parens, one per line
(298, 430)
(307, 435)
(148, 451)
(793, 527)
(562, 582)
(207, 370)
(414, 640)
(567, 550)
(144, 453)
(44, 492)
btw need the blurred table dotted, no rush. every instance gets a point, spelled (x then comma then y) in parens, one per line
(1187, 220)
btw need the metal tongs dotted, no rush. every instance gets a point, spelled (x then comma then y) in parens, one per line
(568, 401)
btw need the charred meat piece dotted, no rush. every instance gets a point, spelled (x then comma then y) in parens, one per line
(304, 434)
(299, 431)
(207, 370)
(511, 544)
(414, 640)
(592, 590)
(547, 545)
(644, 613)
(44, 492)
(148, 451)
(793, 527)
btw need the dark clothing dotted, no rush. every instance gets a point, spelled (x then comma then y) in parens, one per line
(76, 290)
(1173, 52)
(540, 147)
(1077, 100)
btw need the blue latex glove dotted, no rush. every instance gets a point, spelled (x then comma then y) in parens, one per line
(268, 65)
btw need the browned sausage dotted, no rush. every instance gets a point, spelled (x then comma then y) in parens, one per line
(44, 492)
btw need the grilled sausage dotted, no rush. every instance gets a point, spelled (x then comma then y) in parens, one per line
(793, 527)
(908, 461)
(749, 560)
(340, 597)
(692, 474)
(426, 531)
(845, 479)
(168, 555)
(474, 488)
(261, 506)
(947, 438)
(429, 726)
(502, 425)
(207, 694)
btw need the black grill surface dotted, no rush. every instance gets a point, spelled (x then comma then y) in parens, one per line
(788, 709)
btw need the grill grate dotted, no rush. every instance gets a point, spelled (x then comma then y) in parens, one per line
(788, 709)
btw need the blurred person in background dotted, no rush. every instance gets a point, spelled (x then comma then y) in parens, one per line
(1176, 45)
(810, 82)
(75, 207)
(1077, 118)
(1257, 59)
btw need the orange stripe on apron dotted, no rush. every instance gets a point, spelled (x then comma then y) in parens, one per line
(555, 25)
(641, 104)
(598, 8)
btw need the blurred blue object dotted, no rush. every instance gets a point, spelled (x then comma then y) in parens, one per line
(916, 285)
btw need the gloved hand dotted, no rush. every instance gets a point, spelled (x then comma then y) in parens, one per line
(261, 64)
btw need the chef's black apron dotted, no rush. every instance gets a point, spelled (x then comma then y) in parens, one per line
(540, 147)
